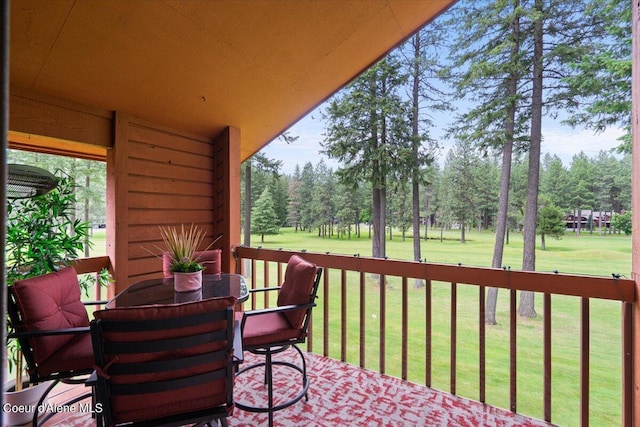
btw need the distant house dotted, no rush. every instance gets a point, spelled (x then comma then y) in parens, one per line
(588, 218)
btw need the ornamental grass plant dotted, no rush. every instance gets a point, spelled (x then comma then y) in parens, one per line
(181, 246)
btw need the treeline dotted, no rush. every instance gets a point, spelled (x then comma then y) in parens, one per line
(462, 193)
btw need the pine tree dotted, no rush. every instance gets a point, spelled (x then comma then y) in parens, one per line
(368, 133)
(264, 219)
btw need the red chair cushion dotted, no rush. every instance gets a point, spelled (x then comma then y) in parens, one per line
(166, 403)
(49, 302)
(211, 260)
(265, 329)
(297, 287)
(76, 355)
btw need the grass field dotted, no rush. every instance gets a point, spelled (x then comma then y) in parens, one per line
(583, 254)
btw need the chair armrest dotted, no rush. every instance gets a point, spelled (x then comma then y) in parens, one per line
(92, 380)
(53, 332)
(99, 302)
(251, 291)
(279, 309)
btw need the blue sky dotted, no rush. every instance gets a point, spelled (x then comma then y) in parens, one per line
(558, 139)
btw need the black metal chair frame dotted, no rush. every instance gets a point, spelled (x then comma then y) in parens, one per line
(203, 417)
(279, 347)
(18, 332)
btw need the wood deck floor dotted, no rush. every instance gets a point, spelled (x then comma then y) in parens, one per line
(343, 395)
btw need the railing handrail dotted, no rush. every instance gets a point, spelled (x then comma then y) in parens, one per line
(613, 288)
(92, 264)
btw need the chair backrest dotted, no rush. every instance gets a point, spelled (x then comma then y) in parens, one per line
(44, 303)
(300, 286)
(211, 260)
(165, 362)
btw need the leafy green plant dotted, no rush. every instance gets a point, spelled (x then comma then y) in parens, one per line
(622, 222)
(43, 235)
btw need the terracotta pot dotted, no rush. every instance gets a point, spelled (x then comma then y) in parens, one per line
(20, 405)
(184, 282)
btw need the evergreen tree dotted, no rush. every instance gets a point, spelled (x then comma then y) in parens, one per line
(305, 196)
(264, 219)
(293, 208)
(324, 199)
(601, 82)
(459, 181)
(424, 68)
(554, 182)
(582, 177)
(368, 133)
(278, 186)
(488, 50)
(551, 222)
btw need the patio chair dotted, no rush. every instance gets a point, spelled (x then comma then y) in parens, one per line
(211, 259)
(271, 331)
(165, 365)
(51, 325)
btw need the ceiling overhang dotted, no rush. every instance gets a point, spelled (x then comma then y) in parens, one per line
(202, 65)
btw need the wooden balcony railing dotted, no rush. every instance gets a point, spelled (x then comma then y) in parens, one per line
(94, 266)
(347, 332)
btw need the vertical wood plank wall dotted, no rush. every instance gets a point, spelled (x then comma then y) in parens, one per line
(162, 177)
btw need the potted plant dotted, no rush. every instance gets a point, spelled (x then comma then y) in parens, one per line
(181, 246)
(43, 235)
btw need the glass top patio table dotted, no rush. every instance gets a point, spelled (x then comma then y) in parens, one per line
(160, 291)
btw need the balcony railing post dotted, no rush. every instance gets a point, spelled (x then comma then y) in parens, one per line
(513, 353)
(627, 365)
(343, 315)
(405, 334)
(454, 337)
(584, 362)
(383, 322)
(482, 344)
(547, 356)
(363, 318)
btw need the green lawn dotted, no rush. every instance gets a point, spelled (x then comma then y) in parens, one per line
(584, 254)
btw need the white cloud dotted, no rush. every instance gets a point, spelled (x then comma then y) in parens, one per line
(566, 142)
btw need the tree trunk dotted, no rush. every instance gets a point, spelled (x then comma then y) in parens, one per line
(543, 245)
(505, 174)
(501, 222)
(376, 249)
(415, 146)
(462, 233)
(527, 303)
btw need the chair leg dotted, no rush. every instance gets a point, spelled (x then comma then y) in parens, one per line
(267, 365)
(269, 378)
(305, 380)
(36, 413)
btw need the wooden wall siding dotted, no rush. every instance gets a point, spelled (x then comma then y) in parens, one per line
(56, 119)
(170, 182)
